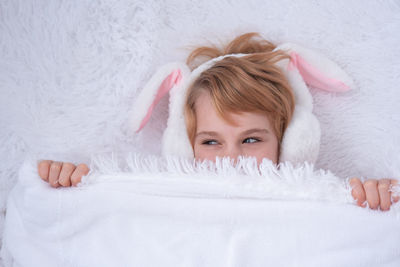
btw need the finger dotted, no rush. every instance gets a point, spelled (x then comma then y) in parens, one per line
(357, 191)
(384, 194)
(371, 192)
(395, 182)
(55, 169)
(81, 170)
(44, 169)
(65, 174)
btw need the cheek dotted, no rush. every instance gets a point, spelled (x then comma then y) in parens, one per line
(271, 154)
(269, 151)
(200, 153)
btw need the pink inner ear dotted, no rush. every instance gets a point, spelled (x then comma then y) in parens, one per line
(172, 79)
(313, 77)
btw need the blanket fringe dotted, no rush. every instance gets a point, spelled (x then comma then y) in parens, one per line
(243, 178)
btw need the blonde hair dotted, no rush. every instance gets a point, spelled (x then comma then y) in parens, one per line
(252, 83)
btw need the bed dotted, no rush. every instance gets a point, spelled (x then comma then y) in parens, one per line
(70, 71)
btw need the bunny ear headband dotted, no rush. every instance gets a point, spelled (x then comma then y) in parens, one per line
(301, 139)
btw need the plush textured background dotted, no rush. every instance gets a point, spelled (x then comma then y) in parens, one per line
(69, 71)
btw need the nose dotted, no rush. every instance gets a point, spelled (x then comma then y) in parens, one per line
(233, 152)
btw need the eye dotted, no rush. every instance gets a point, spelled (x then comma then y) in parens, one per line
(209, 142)
(251, 140)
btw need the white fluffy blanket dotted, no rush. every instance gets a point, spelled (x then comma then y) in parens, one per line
(170, 212)
(70, 70)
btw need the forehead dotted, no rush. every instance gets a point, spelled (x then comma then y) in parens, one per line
(208, 119)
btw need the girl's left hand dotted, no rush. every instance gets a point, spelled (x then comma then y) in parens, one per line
(375, 192)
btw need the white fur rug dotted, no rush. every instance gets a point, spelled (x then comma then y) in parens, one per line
(69, 71)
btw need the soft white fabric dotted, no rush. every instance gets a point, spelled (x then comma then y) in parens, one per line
(168, 212)
(70, 69)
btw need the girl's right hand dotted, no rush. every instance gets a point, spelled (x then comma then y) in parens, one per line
(61, 173)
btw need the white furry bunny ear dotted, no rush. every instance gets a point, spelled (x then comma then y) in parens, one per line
(166, 78)
(301, 140)
(171, 78)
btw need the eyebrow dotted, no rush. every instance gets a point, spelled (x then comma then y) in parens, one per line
(256, 130)
(247, 132)
(208, 133)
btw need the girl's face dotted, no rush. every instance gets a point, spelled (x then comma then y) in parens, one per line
(252, 135)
